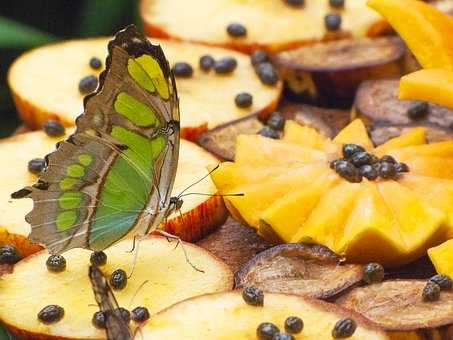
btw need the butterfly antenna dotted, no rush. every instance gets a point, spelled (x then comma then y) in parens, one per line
(198, 181)
(212, 195)
(137, 291)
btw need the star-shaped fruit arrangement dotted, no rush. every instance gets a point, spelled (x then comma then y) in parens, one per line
(387, 204)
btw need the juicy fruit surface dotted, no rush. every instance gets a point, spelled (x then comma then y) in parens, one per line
(159, 262)
(257, 17)
(46, 90)
(17, 151)
(226, 316)
(442, 258)
(296, 197)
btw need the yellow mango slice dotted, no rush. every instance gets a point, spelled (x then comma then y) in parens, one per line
(438, 167)
(420, 224)
(433, 191)
(326, 222)
(259, 150)
(290, 212)
(414, 136)
(433, 85)
(426, 30)
(440, 149)
(371, 223)
(442, 258)
(354, 133)
(307, 137)
(258, 197)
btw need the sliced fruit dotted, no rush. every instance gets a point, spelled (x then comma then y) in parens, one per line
(221, 141)
(391, 219)
(381, 133)
(234, 243)
(441, 257)
(377, 102)
(160, 272)
(354, 133)
(424, 28)
(160, 21)
(398, 308)
(331, 72)
(40, 94)
(434, 85)
(229, 317)
(199, 214)
(256, 150)
(301, 269)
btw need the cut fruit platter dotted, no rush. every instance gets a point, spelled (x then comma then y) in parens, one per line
(271, 170)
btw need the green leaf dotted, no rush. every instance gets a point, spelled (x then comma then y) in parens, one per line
(17, 35)
(105, 17)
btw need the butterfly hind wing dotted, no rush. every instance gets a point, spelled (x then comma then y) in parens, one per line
(120, 160)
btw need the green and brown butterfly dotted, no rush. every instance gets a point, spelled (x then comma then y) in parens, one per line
(115, 174)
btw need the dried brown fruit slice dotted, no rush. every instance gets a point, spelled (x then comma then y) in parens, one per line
(382, 132)
(398, 308)
(226, 316)
(234, 243)
(41, 92)
(291, 26)
(170, 279)
(302, 269)
(377, 101)
(331, 72)
(221, 141)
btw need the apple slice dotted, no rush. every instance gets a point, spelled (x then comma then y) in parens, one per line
(397, 307)
(199, 214)
(270, 24)
(226, 316)
(162, 277)
(301, 269)
(206, 99)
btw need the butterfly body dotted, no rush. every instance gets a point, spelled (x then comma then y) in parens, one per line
(114, 175)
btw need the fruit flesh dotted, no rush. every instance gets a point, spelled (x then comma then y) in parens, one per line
(160, 20)
(200, 214)
(48, 93)
(392, 222)
(227, 316)
(442, 258)
(159, 262)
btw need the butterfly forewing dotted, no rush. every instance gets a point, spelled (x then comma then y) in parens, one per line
(116, 327)
(116, 172)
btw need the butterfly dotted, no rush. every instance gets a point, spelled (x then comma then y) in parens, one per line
(115, 325)
(115, 174)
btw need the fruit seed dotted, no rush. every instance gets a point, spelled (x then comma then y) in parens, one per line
(267, 73)
(276, 121)
(387, 170)
(444, 281)
(344, 328)
(98, 258)
(294, 325)
(36, 165)
(51, 314)
(253, 296)
(206, 62)
(295, 3)
(98, 320)
(56, 263)
(244, 100)
(258, 57)
(373, 273)
(182, 70)
(266, 331)
(431, 292)
(418, 110)
(140, 314)
(225, 65)
(269, 133)
(9, 254)
(336, 3)
(118, 279)
(282, 336)
(350, 149)
(53, 128)
(95, 63)
(88, 84)
(332, 21)
(236, 30)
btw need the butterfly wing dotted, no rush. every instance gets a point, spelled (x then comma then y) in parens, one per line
(116, 172)
(116, 327)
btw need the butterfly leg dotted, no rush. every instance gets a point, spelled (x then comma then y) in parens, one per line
(179, 242)
(135, 249)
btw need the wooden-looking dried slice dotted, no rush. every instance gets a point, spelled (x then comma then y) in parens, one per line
(226, 316)
(331, 72)
(206, 99)
(234, 243)
(198, 217)
(302, 269)
(382, 132)
(377, 101)
(207, 21)
(398, 308)
(221, 141)
(170, 279)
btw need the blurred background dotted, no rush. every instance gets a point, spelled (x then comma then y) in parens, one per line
(25, 24)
